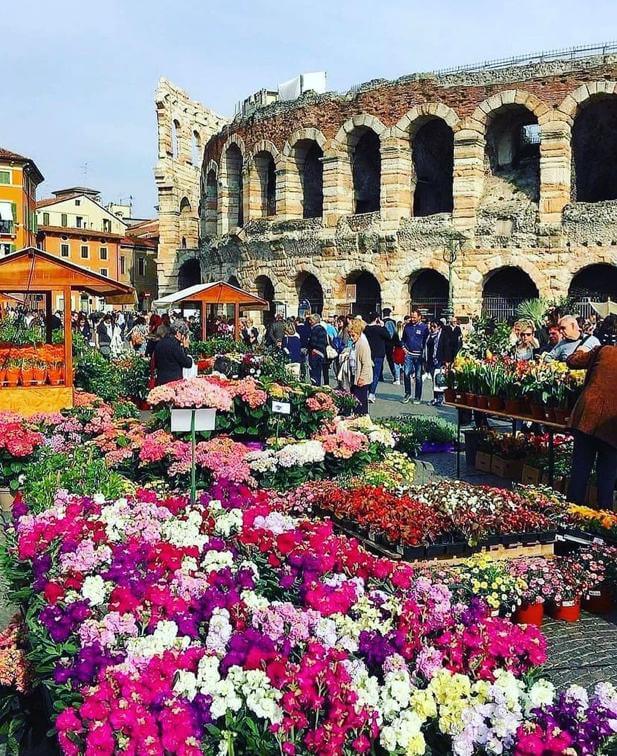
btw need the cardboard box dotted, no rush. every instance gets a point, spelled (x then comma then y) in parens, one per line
(483, 461)
(507, 468)
(530, 476)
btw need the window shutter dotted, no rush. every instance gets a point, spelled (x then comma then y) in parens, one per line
(12, 248)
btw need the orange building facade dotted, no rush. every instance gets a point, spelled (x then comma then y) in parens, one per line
(19, 178)
(96, 251)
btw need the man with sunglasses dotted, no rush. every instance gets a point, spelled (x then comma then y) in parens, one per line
(573, 339)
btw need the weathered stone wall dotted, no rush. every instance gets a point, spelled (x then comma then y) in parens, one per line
(178, 174)
(521, 215)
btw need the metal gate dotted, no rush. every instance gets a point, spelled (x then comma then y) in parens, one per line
(501, 308)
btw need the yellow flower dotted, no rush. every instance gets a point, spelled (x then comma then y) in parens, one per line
(416, 745)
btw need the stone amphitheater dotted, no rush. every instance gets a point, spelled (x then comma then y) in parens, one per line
(486, 185)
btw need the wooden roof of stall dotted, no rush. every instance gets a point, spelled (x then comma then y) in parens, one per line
(217, 292)
(35, 270)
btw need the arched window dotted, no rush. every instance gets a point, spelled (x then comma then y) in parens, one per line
(428, 291)
(365, 169)
(594, 150)
(233, 168)
(211, 208)
(512, 151)
(233, 281)
(365, 297)
(265, 290)
(189, 273)
(307, 158)
(264, 185)
(432, 154)
(175, 139)
(504, 289)
(597, 283)
(196, 148)
(309, 290)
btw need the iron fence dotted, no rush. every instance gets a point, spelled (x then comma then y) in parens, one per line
(501, 308)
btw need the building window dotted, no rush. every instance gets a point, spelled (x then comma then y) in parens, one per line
(84, 252)
(103, 271)
(141, 266)
(121, 265)
(6, 249)
(103, 253)
(64, 220)
(65, 250)
(107, 225)
(78, 202)
(46, 219)
(79, 221)
(5, 177)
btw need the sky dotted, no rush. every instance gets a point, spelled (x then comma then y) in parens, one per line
(79, 76)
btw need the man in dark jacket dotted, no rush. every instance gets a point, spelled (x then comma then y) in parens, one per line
(390, 325)
(414, 339)
(439, 352)
(170, 354)
(379, 340)
(276, 332)
(317, 345)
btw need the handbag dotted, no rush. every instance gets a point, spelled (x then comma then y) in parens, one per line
(331, 352)
(398, 355)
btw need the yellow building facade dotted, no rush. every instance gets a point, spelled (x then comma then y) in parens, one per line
(19, 178)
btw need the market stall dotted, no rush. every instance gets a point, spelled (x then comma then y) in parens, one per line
(37, 376)
(212, 295)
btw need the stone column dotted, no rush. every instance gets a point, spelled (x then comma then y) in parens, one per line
(337, 188)
(395, 179)
(468, 179)
(555, 169)
(168, 240)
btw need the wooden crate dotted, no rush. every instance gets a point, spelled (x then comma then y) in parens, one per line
(531, 476)
(507, 468)
(483, 461)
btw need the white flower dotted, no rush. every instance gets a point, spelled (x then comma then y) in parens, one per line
(186, 684)
(227, 521)
(219, 631)
(302, 453)
(93, 589)
(541, 693)
(217, 560)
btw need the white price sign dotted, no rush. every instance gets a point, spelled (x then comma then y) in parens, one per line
(205, 419)
(281, 408)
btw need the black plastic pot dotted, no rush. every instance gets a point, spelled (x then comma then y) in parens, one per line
(493, 540)
(414, 552)
(510, 538)
(547, 537)
(460, 548)
(435, 550)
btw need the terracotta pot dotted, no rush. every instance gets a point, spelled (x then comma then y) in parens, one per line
(449, 395)
(537, 411)
(495, 403)
(2, 375)
(599, 601)
(561, 415)
(12, 376)
(470, 400)
(54, 376)
(568, 611)
(25, 377)
(482, 401)
(39, 375)
(530, 614)
(514, 406)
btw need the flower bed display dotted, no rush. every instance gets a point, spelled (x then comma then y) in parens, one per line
(414, 435)
(230, 627)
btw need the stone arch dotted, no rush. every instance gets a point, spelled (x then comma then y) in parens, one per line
(428, 291)
(187, 223)
(504, 288)
(189, 273)
(265, 145)
(360, 120)
(594, 148)
(423, 112)
(571, 102)
(210, 202)
(175, 138)
(231, 184)
(432, 158)
(512, 151)
(310, 133)
(196, 148)
(367, 292)
(233, 281)
(262, 184)
(309, 290)
(264, 288)
(596, 282)
(507, 97)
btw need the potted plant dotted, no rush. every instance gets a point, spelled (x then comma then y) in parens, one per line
(572, 581)
(600, 561)
(55, 373)
(39, 373)
(494, 376)
(13, 371)
(538, 575)
(26, 373)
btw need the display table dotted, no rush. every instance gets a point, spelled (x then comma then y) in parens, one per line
(551, 427)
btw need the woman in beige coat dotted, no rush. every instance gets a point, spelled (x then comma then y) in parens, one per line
(362, 364)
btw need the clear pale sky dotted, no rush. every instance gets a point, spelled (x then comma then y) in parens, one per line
(79, 77)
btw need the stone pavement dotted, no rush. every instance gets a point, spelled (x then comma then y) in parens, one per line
(583, 652)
